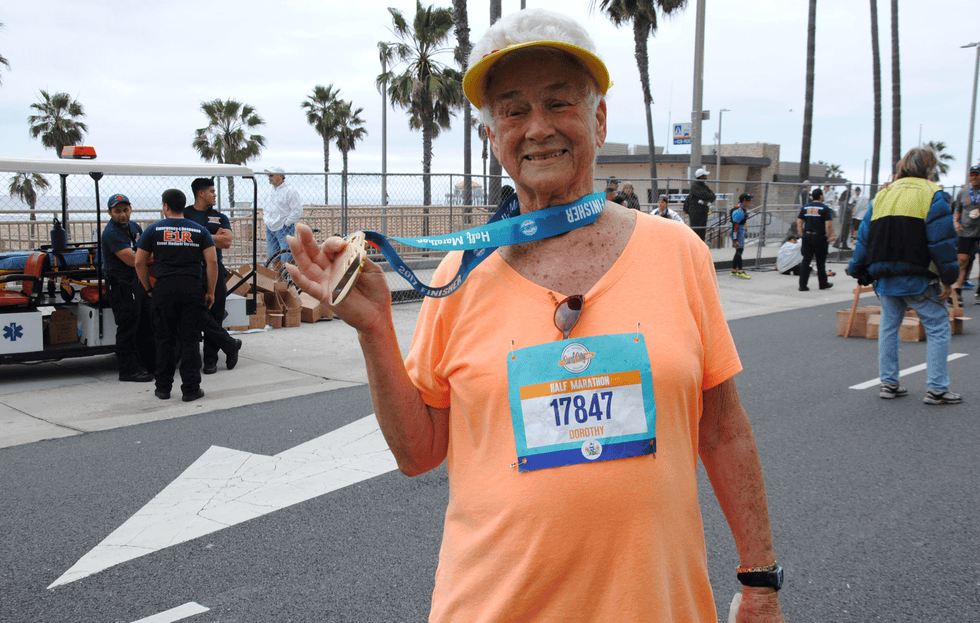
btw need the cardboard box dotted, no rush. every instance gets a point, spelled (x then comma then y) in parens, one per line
(911, 330)
(234, 311)
(21, 332)
(292, 307)
(266, 280)
(311, 309)
(88, 326)
(62, 327)
(874, 323)
(861, 315)
(274, 311)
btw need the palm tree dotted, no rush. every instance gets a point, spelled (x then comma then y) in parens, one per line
(320, 106)
(811, 38)
(643, 16)
(57, 121)
(3, 61)
(896, 92)
(463, 47)
(941, 156)
(226, 139)
(833, 170)
(26, 186)
(876, 69)
(428, 89)
(349, 130)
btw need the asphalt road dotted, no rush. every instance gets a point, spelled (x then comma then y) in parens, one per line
(874, 504)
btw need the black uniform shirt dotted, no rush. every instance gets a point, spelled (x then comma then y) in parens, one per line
(115, 239)
(815, 216)
(177, 245)
(211, 219)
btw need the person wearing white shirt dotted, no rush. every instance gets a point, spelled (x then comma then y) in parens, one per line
(282, 213)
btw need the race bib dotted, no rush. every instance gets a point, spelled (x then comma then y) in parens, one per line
(581, 400)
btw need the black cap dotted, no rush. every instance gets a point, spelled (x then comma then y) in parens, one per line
(975, 168)
(745, 197)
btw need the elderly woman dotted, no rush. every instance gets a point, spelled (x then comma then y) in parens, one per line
(572, 462)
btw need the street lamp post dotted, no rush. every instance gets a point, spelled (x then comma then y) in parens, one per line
(697, 115)
(864, 180)
(721, 113)
(973, 104)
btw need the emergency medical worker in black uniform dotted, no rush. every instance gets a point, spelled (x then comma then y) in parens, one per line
(130, 305)
(180, 304)
(816, 223)
(216, 338)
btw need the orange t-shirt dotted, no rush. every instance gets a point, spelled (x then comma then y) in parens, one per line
(613, 541)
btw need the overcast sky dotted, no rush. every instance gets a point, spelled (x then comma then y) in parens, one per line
(141, 70)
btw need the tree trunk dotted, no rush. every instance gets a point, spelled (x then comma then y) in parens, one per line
(641, 30)
(426, 169)
(231, 196)
(811, 40)
(896, 92)
(326, 170)
(876, 70)
(463, 40)
(493, 189)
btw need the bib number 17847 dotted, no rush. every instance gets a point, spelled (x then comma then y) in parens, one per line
(581, 408)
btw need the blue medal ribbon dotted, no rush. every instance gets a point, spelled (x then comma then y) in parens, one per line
(506, 227)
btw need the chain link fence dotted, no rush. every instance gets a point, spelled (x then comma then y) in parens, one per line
(397, 205)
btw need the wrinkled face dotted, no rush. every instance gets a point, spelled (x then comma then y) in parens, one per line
(628, 189)
(546, 133)
(210, 197)
(120, 214)
(276, 179)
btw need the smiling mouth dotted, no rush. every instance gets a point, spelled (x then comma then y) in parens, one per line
(553, 154)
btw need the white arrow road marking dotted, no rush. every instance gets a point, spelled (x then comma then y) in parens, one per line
(175, 614)
(225, 487)
(905, 372)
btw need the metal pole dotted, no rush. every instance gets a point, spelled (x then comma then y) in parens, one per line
(721, 113)
(698, 91)
(973, 105)
(384, 137)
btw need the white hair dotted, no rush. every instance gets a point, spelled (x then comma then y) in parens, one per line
(534, 25)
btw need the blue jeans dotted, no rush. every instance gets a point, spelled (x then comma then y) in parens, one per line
(934, 318)
(276, 240)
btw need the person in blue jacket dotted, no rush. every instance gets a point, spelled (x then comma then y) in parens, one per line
(738, 217)
(907, 247)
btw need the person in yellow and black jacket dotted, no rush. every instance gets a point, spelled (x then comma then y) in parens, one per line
(907, 247)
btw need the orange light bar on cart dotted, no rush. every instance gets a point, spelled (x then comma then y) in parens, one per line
(78, 152)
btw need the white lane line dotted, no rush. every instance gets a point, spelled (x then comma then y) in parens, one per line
(905, 372)
(175, 614)
(225, 487)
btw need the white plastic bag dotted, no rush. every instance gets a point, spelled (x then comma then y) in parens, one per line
(733, 609)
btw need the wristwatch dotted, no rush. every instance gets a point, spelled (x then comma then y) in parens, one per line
(761, 577)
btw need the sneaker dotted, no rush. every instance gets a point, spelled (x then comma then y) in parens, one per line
(232, 359)
(210, 368)
(743, 275)
(199, 393)
(968, 286)
(934, 397)
(734, 273)
(889, 391)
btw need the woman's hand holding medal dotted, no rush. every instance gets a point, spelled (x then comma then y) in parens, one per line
(338, 273)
